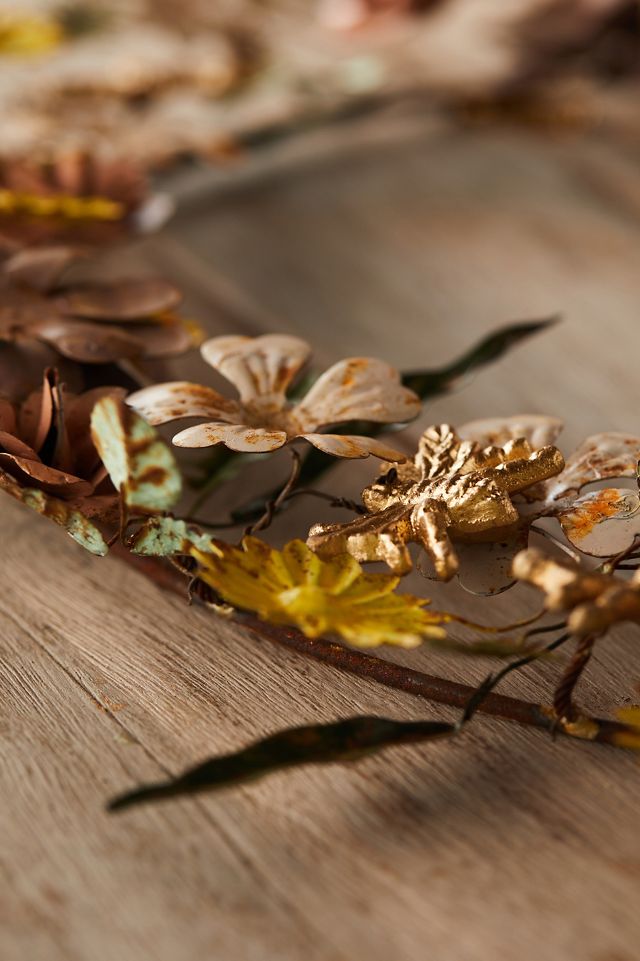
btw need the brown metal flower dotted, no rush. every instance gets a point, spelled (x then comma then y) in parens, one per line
(91, 323)
(594, 601)
(76, 197)
(263, 419)
(452, 489)
(46, 445)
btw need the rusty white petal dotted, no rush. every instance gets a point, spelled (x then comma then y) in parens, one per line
(259, 367)
(599, 457)
(539, 430)
(485, 568)
(243, 439)
(360, 388)
(604, 522)
(176, 399)
(349, 445)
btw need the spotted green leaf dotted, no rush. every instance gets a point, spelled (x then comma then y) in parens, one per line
(60, 512)
(163, 536)
(139, 462)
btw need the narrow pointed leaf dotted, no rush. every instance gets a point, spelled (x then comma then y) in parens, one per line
(343, 741)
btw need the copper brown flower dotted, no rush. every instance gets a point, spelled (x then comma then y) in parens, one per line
(46, 446)
(86, 322)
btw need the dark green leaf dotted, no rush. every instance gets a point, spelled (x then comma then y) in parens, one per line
(347, 740)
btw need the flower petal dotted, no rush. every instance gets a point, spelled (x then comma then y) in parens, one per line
(243, 439)
(538, 429)
(88, 343)
(349, 445)
(599, 457)
(40, 268)
(33, 473)
(176, 399)
(120, 301)
(259, 367)
(604, 522)
(7, 416)
(360, 388)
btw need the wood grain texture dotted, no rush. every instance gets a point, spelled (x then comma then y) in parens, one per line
(503, 844)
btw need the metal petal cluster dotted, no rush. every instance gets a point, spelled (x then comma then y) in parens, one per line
(294, 586)
(452, 489)
(75, 197)
(262, 418)
(87, 322)
(594, 601)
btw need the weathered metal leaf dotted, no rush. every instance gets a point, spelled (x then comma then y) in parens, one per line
(603, 522)
(342, 741)
(40, 268)
(432, 383)
(88, 343)
(140, 464)
(164, 536)
(60, 512)
(257, 366)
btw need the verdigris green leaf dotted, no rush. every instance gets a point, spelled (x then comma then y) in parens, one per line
(347, 740)
(164, 536)
(60, 512)
(140, 464)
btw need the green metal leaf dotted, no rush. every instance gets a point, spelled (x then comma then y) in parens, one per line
(164, 536)
(58, 511)
(347, 740)
(139, 462)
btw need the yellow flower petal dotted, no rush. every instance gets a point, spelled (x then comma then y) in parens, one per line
(295, 586)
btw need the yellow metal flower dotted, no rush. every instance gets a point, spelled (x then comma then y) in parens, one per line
(452, 488)
(24, 36)
(631, 737)
(294, 586)
(262, 418)
(594, 601)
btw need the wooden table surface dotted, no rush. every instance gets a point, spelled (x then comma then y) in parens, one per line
(502, 844)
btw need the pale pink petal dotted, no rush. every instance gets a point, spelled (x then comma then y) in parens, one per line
(360, 388)
(259, 367)
(179, 398)
(538, 429)
(244, 439)
(599, 457)
(349, 445)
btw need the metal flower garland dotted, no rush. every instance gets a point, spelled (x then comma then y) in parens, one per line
(93, 462)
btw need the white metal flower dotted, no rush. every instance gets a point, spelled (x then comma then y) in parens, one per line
(263, 419)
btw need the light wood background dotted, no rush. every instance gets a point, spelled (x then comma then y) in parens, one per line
(406, 240)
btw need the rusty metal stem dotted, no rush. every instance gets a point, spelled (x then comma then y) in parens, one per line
(429, 686)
